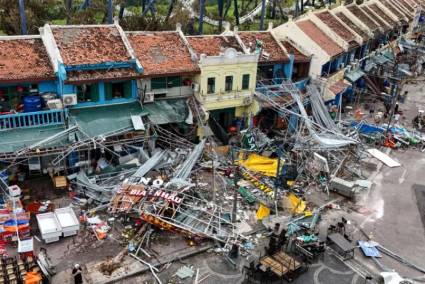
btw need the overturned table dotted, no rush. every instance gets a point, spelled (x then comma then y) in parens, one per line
(341, 245)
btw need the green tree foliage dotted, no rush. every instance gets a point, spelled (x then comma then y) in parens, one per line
(38, 13)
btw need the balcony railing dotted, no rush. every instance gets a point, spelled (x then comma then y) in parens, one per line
(32, 119)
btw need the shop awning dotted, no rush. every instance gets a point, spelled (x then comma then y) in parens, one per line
(167, 111)
(354, 75)
(16, 139)
(105, 120)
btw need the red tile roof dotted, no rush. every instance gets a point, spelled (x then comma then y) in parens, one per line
(87, 76)
(407, 5)
(24, 60)
(270, 46)
(213, 45)
(90, 44)
(338, 87)
(162, 53)
(375, 8)
(392, 9)
(397, 6)
(363, 17)
(327, 18)
(378, 20)
(352, 25)
(320, 38)
(298, 55)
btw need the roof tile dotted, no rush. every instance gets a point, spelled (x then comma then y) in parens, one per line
(377, 19)
(213, 45)
(352, 25)
(320, 38)
(375, 8)
(330, 20)
(162, 53)
(298, 55)
(270, 46)
(24, 60)
(363, 17)
(90, 44)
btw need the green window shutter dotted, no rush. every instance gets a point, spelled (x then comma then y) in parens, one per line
(108, 91)
(94, 93)
(174, 82)
(245, 82)
(158, 83)
(127, 90)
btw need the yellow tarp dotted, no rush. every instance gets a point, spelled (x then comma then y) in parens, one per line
(260, 164)
(294, 204)
(262, 212)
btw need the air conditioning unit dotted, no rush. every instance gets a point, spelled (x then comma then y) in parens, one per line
(348, 69)
(195, 87)
(149, 97)
(55, 104)
(69, 99)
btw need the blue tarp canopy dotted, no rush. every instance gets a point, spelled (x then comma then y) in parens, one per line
(367, 128)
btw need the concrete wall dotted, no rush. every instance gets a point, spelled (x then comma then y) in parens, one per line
(319, 56)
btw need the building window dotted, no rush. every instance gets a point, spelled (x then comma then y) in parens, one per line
(245, 82)
(165, 82)
(88, 93)
(158, 83)
(211, 86)
(118, 90)
(228, 86)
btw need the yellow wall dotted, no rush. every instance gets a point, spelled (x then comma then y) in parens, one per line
(221, 99)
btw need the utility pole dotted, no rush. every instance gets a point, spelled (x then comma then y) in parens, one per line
(235, 191)
(110, 12)
(201, 16)
(23, 17)
(263, 13)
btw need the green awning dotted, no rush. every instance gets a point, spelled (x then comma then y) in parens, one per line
(354, 75)
(16, 139)
(167, 111)
(104, 120)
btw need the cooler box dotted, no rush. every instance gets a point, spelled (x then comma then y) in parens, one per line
(49, 226)
(68, 221)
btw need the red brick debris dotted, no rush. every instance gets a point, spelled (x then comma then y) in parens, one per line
(213, 45)
(89, 76)
(270, 46)
(298, 55)
(338, 87)
(363, 17)
(24, 60)
(90, 45)
(352, 25)
(319, 37)
(162, 53)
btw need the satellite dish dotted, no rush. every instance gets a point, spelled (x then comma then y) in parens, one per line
(230, 53)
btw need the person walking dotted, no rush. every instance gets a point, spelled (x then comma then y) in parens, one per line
(77, 274)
